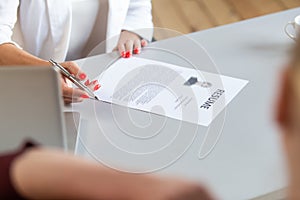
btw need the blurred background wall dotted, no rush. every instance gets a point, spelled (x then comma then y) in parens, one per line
(186, 16)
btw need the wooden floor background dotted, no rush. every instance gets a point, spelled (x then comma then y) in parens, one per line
(186, 16)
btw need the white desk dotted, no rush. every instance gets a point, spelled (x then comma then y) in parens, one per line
(247, 161)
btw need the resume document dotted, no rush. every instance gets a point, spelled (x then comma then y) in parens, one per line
(165, 89)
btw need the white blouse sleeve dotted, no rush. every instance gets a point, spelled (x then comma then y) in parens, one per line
(139, 18)
(8, 18)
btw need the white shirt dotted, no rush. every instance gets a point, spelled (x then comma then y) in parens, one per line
(88, 27)
(43, 27)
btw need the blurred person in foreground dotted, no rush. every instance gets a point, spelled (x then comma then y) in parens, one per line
(288, 117)
(35, 172)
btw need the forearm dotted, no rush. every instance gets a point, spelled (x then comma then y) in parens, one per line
(291, 141)
(12, 55)
(42, 174)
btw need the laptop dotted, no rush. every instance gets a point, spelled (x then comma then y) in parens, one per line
(31, 108)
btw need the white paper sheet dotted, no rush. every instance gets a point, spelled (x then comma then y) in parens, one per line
(169, 90)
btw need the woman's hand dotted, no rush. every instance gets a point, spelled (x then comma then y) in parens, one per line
(75, 94)
(12, 55)
(130, 43)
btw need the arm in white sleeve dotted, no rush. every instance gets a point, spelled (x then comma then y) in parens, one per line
(10, 52)
(8, 18)
(139, 18)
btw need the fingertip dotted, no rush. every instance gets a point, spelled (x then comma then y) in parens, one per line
(84, 96)
(128, 54)
(97, 87)
(136, 51)
(137, 47)
(87, 82)
(82, 76)
(94, 82)
(77, 93)
(144, 43)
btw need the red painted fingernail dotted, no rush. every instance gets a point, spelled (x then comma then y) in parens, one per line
(87, 82)
(97, 87)
(136, 51)
(128, 54)
(123, 54)
(84, 96)
(82, 76)
(94, 82)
